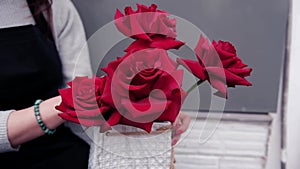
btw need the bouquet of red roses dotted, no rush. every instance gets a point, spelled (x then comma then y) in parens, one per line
(145, 85)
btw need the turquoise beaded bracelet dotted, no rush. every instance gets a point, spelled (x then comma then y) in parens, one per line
(39, 119)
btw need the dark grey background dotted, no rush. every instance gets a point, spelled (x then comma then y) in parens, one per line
(257, 28)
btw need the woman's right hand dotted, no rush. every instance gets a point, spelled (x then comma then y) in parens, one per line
(22, 125)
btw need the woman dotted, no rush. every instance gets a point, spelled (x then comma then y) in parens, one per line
(34, 67)
(39, 45)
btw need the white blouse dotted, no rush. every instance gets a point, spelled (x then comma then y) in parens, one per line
(14, 13)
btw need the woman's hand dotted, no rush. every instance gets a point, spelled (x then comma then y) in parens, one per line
(180, 126)
(22, 125)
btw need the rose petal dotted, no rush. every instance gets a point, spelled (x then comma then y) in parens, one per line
(67, 96)
(161, 42)
(145, 107)
(231, 78)
(173, 81)
(172, 112)
(240, 72)
(64, 108)
(114, 118)
(165, 43)
(111, 67)
(193, 67)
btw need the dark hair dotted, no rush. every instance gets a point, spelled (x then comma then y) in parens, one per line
(37, 8)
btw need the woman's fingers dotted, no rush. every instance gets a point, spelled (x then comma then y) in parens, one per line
(184, 123)
(181, 124)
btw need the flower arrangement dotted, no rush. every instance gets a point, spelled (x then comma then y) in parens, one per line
(145, 85)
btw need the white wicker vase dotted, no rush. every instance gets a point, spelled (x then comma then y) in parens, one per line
(127, 147)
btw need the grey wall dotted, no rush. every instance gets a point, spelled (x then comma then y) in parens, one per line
(256, 27)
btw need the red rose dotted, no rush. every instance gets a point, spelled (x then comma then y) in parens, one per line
(219, 64)
(81, 103)
(131, 88)
(145, 22)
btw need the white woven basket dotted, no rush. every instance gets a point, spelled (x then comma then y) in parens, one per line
(127, 147)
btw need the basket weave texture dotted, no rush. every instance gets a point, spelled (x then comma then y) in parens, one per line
(132, 148)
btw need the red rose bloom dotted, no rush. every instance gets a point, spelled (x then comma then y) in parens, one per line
(219, 64)
(131, 88)
(145, 22)
(81, 103)
(144, 86)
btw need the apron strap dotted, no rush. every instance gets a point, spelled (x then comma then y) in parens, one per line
(40, 19)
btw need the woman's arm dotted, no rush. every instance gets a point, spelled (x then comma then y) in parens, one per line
(70, 39)
(22, 125)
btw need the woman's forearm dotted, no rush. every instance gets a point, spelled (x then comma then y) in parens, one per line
(22, 125)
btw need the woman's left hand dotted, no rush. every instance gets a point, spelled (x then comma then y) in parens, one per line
(180, 125)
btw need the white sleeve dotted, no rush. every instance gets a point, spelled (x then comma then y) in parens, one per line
(70, 39)
(5, 145)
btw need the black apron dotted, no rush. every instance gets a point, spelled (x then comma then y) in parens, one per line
(30, 69)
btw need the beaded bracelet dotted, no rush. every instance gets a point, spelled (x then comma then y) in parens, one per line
(39, 119)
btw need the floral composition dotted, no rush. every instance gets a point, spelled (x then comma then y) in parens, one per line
(145, 85)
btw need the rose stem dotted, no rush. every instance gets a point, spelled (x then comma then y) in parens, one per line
(194, 86)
